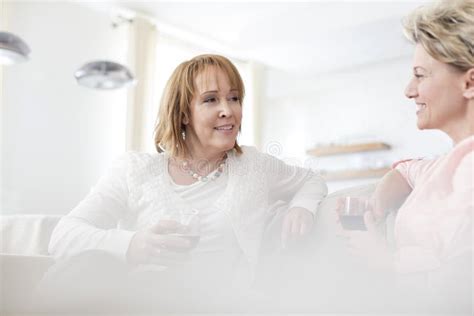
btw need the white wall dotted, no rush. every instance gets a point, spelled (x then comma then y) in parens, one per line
(363, 102)
(58, 137)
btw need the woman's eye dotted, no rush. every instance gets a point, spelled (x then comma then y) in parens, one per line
(210, 100)
(418, 76)
(234, 99)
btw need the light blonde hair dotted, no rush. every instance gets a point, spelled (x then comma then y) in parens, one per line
(445, 30)
(176, 99)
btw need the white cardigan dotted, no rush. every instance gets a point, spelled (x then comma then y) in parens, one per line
(136, 191)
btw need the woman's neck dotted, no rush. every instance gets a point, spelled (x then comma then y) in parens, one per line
(203, 155)
(205, 158)
(463, 128)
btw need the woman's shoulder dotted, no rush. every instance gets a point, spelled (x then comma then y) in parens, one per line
(254, 151)
(137, 160)
(462, 163)
(460, 155)
(250, 154)
(137, 156)
(249, 150)
(464, 148)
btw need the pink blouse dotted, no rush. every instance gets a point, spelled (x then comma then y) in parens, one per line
(434, 225)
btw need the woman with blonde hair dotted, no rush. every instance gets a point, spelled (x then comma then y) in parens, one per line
(199, 169)
(433, 226)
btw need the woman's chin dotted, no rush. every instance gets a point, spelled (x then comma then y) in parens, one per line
(228, 146)
(421, 125)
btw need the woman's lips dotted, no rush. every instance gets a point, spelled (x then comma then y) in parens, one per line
(420, 107)
(225, 129)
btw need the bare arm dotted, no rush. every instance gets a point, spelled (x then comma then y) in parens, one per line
(390, 193)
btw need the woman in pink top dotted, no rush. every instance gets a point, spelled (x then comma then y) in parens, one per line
(433, 226)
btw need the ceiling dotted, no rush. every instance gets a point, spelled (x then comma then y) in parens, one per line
(297, 37)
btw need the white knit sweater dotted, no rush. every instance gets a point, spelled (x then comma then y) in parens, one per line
(135, 191)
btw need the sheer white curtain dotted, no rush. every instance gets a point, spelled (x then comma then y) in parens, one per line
(6, 194)
(141, 99)
(252, 75)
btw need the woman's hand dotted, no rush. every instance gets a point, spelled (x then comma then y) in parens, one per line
(296, 224)
(154, 245)
(369, 247)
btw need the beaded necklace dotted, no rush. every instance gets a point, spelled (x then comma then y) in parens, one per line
(195, 175)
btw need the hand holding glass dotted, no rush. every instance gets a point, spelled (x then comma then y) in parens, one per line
(188, 227)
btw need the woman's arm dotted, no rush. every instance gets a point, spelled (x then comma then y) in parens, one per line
(302, 188)
(390, 193)
(93, 223)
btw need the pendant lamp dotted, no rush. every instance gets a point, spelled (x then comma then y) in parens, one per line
(104, 75)
(12, 49)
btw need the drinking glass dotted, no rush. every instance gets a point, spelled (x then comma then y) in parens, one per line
(189, 229)
(351, 212)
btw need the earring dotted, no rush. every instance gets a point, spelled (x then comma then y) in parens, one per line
(183, 134)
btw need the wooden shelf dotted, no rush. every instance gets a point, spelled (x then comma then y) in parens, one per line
(354, 174)
(347, 149)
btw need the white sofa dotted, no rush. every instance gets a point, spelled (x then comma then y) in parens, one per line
(24, 257)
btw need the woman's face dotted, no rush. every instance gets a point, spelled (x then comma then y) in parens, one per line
(216, 113)
(436, 88)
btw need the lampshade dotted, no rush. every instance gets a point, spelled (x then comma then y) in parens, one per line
(12, 49)
(104, 75)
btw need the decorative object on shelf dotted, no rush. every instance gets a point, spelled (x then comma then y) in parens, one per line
(104, 75)
(12, 49)
(354, 174)
(347, 149)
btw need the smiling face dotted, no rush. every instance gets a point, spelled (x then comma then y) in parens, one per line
(215, 114)
(437, 89)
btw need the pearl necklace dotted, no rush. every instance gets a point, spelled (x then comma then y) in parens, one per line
(195, 175)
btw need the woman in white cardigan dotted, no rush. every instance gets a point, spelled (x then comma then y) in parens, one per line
(199, 166)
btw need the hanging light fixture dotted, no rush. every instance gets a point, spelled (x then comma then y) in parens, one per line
(104, 75)
(12, 49)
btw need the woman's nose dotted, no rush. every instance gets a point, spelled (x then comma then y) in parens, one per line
(225, 110)
(410, 90)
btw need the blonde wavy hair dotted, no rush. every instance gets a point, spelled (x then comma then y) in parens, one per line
(445, 30)
(176, 99)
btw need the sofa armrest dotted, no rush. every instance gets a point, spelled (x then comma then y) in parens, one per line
(26, 234)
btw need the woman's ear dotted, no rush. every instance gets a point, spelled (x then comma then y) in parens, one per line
(469, 84)
(185, 119)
